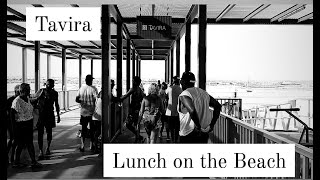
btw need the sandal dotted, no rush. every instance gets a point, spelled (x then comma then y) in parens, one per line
(18, 165)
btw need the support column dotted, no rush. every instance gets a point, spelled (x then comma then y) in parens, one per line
(133, 63)
(36, 65)
(128, 63)
(24, 65)
(119, 59)
(48, 66)
(202, 46)
(105, 79)
(188, 46)
(64, 78)
(178, 57)
(166, 70)
(171, 65)
(92, 67)
(80, 70)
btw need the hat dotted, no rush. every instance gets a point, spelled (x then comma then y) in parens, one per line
(89, 77)
(188, 77)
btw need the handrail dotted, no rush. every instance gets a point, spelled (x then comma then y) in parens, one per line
(306, 128)
(229, 129)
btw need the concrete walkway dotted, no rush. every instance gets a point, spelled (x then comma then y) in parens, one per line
(66, 161)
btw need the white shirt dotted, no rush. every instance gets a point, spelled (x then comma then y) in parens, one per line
(200, 100)
(97, 115)
(173, 94)
(24, 109)
(88, 95)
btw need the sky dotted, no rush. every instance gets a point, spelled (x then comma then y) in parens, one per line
(234, 52)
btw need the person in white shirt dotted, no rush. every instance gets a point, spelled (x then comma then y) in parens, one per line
(173, 93)
(196, 119)
(86, 96)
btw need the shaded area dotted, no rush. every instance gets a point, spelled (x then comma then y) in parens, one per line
(66, 161)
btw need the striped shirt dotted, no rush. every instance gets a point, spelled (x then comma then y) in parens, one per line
(88, 95)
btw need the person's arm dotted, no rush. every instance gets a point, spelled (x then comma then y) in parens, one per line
(187, 102)
(216, 111)
(78, 97)
(34, 97)
(141, 112)
(56, 103)
(127, 94)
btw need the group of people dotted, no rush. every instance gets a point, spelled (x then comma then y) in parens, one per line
(20, 110)
(183, 110)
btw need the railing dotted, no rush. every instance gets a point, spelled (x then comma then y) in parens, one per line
(231, 106)
(119, 112)
(232, 130)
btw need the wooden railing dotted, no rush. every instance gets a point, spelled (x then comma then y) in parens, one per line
(232, 130)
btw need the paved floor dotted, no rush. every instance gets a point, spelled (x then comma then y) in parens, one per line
(66, 161)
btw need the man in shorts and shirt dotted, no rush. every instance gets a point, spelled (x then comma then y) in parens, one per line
(196, 119)
(172, 114)
(86, 96)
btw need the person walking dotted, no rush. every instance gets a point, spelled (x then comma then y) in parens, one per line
(150, 113)
(11, 125)
(136, 98)
(164, 120)
(171, 112)
(21, 113)
(47, 99)
(86, 96)
(196, 119)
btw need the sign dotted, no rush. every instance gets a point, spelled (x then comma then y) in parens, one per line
(63, 23)
(154, 27)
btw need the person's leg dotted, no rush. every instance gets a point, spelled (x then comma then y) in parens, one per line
(176, 128)
(20, 142)
(162, 126)
(96, 136)
(49, 139)
(84, 131)
(154, 135)
(93, 129)
(171, 127)
(40, 141)
(28, 138)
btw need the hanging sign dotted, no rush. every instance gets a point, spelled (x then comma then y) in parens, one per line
(154, 27)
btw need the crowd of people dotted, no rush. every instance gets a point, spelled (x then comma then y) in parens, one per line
(181, 108)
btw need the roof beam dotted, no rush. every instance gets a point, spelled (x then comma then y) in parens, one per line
(284, 13)
(22, 16)
(16, 27)
(96, 45)
(255, 12)
(306, 17)
(133, 20)
(224, 12)
(15, 18)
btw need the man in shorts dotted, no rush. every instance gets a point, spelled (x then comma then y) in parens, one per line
(86, 96)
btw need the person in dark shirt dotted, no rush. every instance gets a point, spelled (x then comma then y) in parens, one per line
(47, 97)
(12, 144)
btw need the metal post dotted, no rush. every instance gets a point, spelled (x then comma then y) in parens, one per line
(202, 46)
(92, 67)
(105, 79)
(188, 46)
(36, 65)
(128, 63)
(133, 63)
(80, 70)
(48, 66)
(119, 59)
(166, 70)
(171, 65)
(64, 79)
(24, 65)
(178, 57)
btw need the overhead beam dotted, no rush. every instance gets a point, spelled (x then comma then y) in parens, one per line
(224, 12)
(306, 17)
(256, 11)
(17, 13)
(276, 17)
